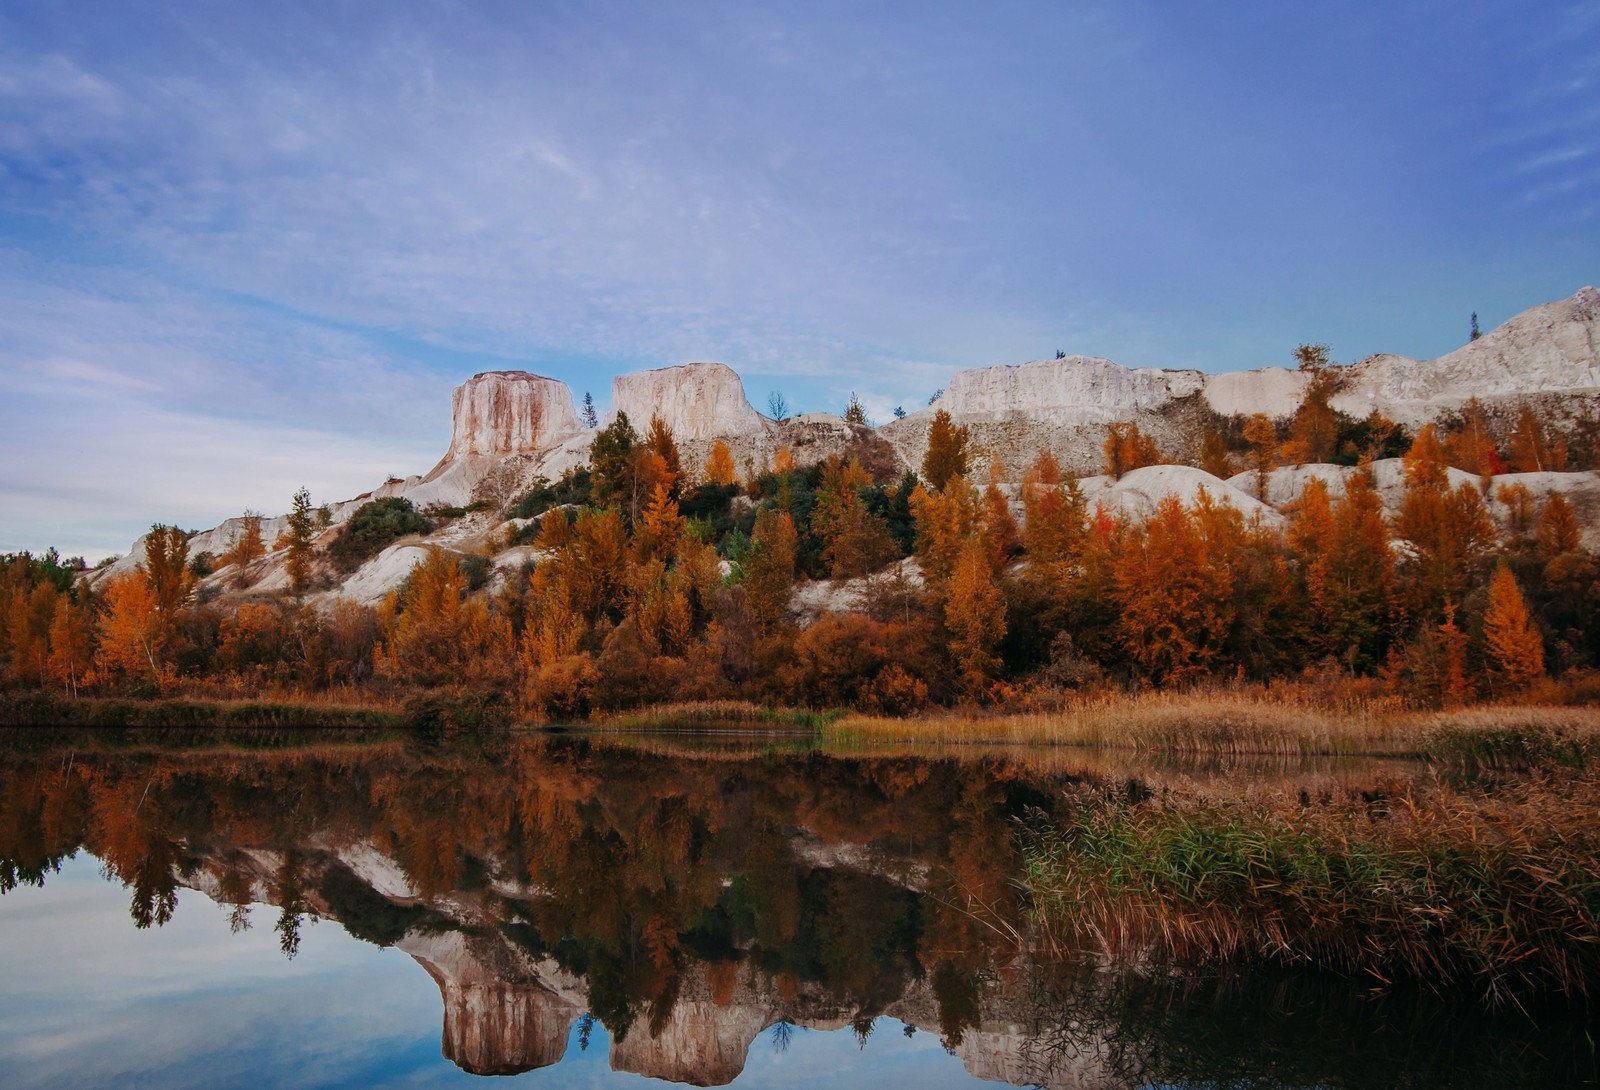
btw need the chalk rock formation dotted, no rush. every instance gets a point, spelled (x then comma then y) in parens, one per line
(1549, 349)
(510, 412)
(1074, 391)
(700, 401)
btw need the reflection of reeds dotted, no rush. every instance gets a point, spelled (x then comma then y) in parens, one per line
(1411, 880)
(1222, 723)
(713, 715)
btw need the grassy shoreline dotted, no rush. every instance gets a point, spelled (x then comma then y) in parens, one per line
(35, 710)
(1489, 886)
(1216, 724)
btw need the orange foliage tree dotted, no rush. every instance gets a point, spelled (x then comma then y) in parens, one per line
(1515, 648)
(133, 634)
(946, 456)
(975, 614)
(433, 635)
(945, 521)
(1127, 448)
(769, 579)
(1173, 594)
(1314, 431)
(719, 464)
(1262, 435)
(1450, 532)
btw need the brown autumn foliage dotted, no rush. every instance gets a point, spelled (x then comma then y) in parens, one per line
(1127, 448)
(719, 464)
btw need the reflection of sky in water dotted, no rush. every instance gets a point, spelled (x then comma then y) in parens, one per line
(88, 1000)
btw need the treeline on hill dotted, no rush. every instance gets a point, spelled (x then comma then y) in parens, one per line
(649, 587)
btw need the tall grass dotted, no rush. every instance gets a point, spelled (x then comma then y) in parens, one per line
(1419, 881)
(1229, 722)
(41, 710)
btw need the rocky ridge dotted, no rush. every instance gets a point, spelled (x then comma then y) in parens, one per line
(509, 428)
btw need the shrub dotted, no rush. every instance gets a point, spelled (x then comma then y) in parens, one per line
(373, 526)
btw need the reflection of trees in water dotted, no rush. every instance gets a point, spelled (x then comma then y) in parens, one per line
(782, 1035)
(812, 888)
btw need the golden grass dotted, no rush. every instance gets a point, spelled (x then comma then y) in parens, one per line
(1218, 723)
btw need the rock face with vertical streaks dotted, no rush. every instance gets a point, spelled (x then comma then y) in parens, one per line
(510, 412)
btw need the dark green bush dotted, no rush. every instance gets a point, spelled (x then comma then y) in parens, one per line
(574, 487)
(373, 526)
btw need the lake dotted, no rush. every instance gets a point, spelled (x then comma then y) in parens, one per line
(589, 911)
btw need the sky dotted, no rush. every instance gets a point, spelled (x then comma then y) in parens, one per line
(249, 247)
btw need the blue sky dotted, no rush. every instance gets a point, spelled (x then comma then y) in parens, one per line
(246, 247)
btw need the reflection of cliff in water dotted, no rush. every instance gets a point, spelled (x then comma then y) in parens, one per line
(690, 905)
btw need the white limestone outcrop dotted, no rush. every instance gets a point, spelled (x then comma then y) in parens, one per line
(509, 412)
(700, 401)
(1075, 390)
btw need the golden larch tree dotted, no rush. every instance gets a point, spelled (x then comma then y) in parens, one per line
(1558, 528)
(1001, 538)
(946, 456)
(719, 465)
(1515, 648)
(1262, 436)
(975, 613)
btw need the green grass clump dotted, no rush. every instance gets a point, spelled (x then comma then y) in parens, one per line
(1444, 888)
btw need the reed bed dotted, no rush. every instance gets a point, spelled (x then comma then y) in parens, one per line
(1417, 880)
(1255, 721)
(41, 710)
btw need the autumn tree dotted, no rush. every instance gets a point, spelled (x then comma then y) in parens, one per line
(1175, 596)
(1214, 456)
(1054, 520)
(1558, 528)
(659, 527)
(975, 614)
(1262, 436)
(1360, 573)
(71, 645)
(133, 634)
(1515, 648)
(435, 635)
(1449, 531)
(248, 545)
(664, 445)
(1530, 442)
(946, 456)
(769, 579)
(719, 465)
(1520, 509)
(855, 413)
(300, 542)
(166, 568)
(945, 521)
(1127, 448)
(1001, 537)
(1314, 431)
(611, 460)
(1470, 447)
(855, 540)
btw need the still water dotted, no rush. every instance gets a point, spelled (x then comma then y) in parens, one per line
(573, 913)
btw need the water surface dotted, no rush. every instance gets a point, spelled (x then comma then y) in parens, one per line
(575, 913)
